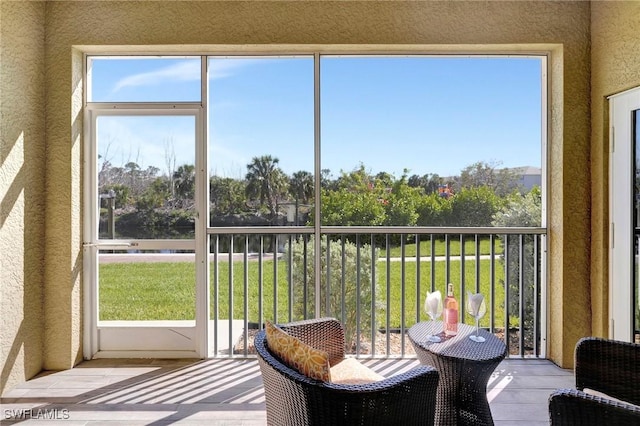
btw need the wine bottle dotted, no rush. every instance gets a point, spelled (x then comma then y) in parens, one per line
(450, 313)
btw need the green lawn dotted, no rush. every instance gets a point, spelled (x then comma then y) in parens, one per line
(166, 291)
(439, 248)
(147, 291)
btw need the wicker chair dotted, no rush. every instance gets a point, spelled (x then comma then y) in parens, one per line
(607, 366)
(295, 399)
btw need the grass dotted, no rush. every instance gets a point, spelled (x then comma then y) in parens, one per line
(166, 291)
(147, 291)
(439, 248)
(414, 300)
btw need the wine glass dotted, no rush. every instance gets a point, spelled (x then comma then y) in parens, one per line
(433, 307)
(476, 307)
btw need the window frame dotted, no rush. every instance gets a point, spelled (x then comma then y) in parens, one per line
(203, 230)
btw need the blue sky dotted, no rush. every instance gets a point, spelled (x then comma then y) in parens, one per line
(425, 114)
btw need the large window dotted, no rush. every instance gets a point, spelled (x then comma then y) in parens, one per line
(428, 140)
(196, 163)
(261, 140)
(146, 168)
(399, 137)
(144, 79)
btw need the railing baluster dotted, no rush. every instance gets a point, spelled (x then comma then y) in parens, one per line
(358, 283)
(216, 293)
(275, 279)
(343, 281)
(402, 294)
(447, 257)
(432, 241)
(288, 253)
(463, 295)
(290, 283)
(231, 294)
(373, 296)
(388, 308)
(261, 281)
(521, 293)
(477, 248)
(305, 281)
(418, 263)
(536, 295)
(492, 283)
(245, 292)
(506, 289)
(327, 286)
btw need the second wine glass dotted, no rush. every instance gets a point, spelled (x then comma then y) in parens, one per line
(433, 307)
(476, 307)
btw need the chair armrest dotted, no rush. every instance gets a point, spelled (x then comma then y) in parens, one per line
(609, 366)
(571, 407)
(407, 399)
(325, 334)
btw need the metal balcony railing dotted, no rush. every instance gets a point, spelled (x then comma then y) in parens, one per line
(375, 280)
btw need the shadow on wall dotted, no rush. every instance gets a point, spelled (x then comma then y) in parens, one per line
(22, 208)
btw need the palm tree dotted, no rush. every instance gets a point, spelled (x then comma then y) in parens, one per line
(266, 182)
(301, 187)
(184, 180)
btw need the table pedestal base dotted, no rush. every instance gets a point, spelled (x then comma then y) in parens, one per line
(465, 367)
(461, 401)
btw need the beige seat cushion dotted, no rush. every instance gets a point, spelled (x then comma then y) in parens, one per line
(349, 371)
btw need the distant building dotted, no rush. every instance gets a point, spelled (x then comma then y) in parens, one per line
(528, 176)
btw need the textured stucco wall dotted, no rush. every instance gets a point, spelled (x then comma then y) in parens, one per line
(615, 62)
(563, 27)
(22, 160)
(459, 25)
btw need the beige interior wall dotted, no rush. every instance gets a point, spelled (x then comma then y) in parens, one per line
(615, 67)
(22, 204)
(193, 25)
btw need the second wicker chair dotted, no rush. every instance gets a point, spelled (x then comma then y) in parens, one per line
(608, 367)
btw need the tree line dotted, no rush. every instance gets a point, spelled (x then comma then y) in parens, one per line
(146, 198)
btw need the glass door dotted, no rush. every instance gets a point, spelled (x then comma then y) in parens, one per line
(624, 207)
(142, 221)
(635, 296)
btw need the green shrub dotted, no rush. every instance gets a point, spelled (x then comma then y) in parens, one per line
(474, 207)
(335, 300)
(521, 210)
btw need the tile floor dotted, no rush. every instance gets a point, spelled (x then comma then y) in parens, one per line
(227, 392)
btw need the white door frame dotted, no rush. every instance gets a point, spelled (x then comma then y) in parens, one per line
(168, 339)
(621, 208)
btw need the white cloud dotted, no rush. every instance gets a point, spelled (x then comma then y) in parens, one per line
(221, 68)
(183, 71)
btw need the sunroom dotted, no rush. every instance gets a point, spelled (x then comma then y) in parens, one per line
(55, 209)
